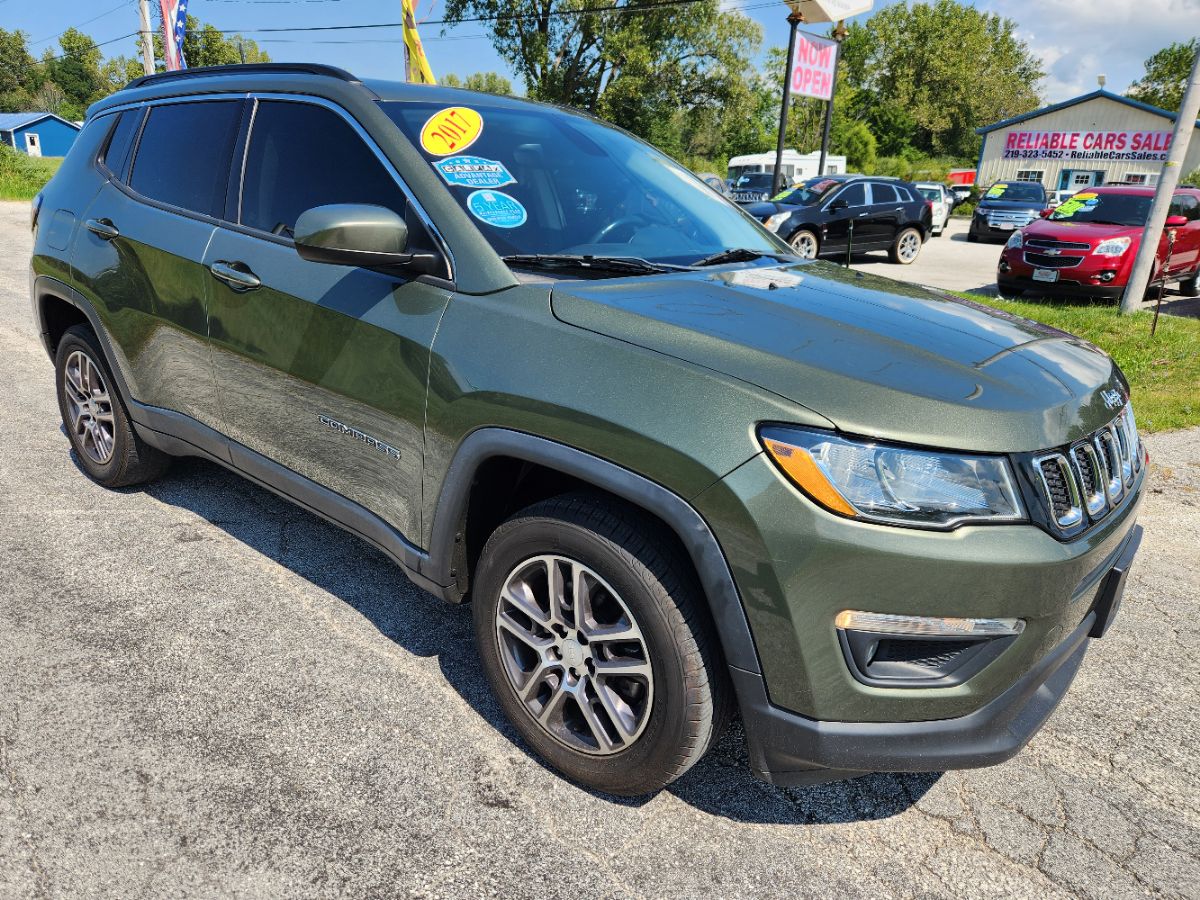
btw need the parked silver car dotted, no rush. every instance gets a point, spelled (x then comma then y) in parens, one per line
(943, 203)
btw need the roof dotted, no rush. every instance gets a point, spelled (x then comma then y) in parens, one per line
(1100, 94)
(13, 121)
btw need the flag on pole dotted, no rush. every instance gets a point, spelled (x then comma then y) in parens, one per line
(416, 66)
(174, 21)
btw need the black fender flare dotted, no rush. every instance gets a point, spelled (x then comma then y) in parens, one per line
(693, 532)
(47, 286)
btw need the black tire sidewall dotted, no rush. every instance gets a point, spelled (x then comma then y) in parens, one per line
(111, 472)
(650, 762)
(816, 241)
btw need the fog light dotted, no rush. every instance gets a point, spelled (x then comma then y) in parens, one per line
(1106, 277)
(1003, 264)
(927, 626)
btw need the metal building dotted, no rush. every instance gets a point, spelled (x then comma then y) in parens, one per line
(1098, 138)
(38, 133)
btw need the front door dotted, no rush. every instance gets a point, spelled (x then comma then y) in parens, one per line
(33, 146)
(321, 368)
(843, 213)
(1185, 251)
(878, 228)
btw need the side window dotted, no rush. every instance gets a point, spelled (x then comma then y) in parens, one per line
(854, 195)
(883, 193)
(183, 156)
(120, 141)
(300, 156)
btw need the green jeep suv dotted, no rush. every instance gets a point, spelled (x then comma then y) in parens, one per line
(678, 473)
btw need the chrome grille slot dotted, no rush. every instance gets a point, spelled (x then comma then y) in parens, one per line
(1059, 483)
(1087, 467)
(1109, 451)
(1051, 244)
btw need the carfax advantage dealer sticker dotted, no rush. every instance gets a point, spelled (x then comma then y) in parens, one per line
(451, 130)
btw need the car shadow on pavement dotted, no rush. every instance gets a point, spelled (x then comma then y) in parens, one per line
(367, 581)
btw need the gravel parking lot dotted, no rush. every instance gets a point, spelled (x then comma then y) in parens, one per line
(206, 691)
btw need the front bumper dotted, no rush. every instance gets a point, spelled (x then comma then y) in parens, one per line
(808, 718)
(1061, 288)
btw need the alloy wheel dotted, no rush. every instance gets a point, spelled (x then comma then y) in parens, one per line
(805, 245)
(89, 407)
(909, 247)
(574, 655)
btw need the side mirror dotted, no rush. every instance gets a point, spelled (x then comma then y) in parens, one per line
(1045, 212)
(838, 205)
(1176, 221)
(356, 234)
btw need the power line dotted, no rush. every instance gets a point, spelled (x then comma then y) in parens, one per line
(122, 5)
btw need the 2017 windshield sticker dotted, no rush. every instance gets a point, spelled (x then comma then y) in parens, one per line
(451, 130)
(497, 209)
(473, 172)
(996, 190)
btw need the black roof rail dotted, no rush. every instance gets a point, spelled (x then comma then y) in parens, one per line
(247, 69)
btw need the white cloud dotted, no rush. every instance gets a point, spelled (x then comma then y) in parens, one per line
(1080, 39)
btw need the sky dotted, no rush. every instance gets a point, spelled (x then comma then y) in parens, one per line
(1077, 39)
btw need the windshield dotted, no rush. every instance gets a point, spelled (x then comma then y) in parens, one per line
(807, 192)
(543, 181)
(756, 181)
(1016, 190)
(1112, 209)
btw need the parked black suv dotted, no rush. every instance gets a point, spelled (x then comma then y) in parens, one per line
(1005, 207)
(831, 214)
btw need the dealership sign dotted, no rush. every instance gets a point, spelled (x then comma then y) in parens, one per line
(812, 66)
(1086, 145)
(829, 10)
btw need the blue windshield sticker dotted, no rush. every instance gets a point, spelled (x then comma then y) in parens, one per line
(473, 172)
(496, 208)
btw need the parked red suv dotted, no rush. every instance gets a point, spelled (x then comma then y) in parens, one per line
(1087, 245)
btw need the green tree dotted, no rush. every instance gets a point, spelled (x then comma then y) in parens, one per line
(488, 82)
(19, 73)
(204, 45)
(76, 71)
(928, 73)
(1166, 76)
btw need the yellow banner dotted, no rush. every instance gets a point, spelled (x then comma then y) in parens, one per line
(416, 66)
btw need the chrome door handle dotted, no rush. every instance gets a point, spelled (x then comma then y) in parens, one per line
(102, 228)
(860, 215)
(240, 279)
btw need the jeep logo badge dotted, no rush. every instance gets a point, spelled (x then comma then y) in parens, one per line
(1111, 398)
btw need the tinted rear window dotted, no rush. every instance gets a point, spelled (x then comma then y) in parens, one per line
(116, 154)
(183, 156)
(883, 193)
(301, 156)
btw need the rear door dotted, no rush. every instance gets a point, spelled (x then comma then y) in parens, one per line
(140, 253)
(321, 368)
(879, 226)
(1185, 254)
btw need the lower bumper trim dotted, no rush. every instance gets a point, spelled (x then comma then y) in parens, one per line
(787, 749)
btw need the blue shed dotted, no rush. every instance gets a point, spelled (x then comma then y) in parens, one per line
(38, 133)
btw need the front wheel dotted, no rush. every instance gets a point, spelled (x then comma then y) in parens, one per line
(805, 243)
(1190, 287)
(594, 638)
(906, 247)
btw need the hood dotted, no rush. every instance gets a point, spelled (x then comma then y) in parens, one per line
(764, 208)
(1091, 232)
(873, 356)
(1011, 204)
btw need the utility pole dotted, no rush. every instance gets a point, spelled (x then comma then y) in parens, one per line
(147, 40)
(1185, 124)
(794, 19)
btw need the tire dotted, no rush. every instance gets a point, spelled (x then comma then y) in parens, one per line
(1190, 287)
(806, 243)
(972, 237)
(677, 701)
(95, 418)
(906, 247)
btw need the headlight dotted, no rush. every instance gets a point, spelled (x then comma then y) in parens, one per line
(1016, 242)
(894, 485)
(1112, 247)
(773, 222)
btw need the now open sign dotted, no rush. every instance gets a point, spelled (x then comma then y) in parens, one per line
(812, 66)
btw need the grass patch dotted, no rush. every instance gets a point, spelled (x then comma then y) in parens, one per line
(21, 176)
(1163, 371)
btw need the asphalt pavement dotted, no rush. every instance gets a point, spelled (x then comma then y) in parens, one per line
(205, 691)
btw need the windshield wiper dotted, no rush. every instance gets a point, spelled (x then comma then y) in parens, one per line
(739, 254)
(627, 265)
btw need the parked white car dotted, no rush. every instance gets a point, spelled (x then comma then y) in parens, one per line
(943, 203)
(1057, 198)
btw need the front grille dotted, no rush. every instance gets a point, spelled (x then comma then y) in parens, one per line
(1046, 261)
(1018, 218)
(1052, 244)
(749, 196)
(1081, 483)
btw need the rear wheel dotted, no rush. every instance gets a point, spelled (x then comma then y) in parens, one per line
(594, 639)
(1190, 287)
(805, 243)
(906, 247)
(95, 418)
